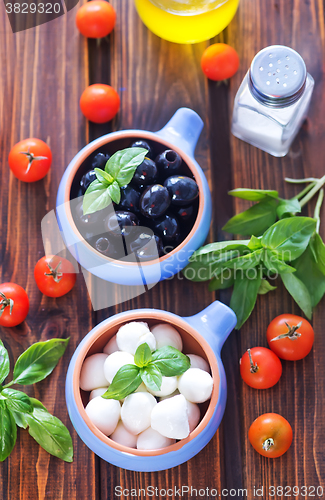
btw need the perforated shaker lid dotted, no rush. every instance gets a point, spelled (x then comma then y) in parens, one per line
(277, 76)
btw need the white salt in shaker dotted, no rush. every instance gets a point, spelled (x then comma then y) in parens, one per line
(273, 100)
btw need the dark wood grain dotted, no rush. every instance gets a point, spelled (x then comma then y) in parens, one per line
(44, 71)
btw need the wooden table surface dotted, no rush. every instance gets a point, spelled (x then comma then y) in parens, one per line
(43, 72)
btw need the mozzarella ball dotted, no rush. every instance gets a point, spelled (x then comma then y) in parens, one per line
(97, 392)
(136, 411)
(111, 346)
(122, 436)
(196, 385)
(92, 372)
(175, 393)
(104, 413)
(133, 334)
(194, 415)
(199, 362)
(142, 388)
(152, 440)
(114, 362)
(168, 386)
(170, 418)
(167, 335)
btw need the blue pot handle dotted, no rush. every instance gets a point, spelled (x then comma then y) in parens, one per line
(214, 323)
(183, 130)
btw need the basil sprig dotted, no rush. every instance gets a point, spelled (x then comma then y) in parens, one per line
(148, 368)
(119, 171)
(18, 409)
(290, 248)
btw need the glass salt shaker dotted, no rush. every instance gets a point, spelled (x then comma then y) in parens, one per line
(273, 100)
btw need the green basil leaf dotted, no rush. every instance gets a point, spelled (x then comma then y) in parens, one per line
(37, 404)
(95, 198)
(38, 361)
(4, 363)
(122, 164)
(253, 194)
(299, 292)
(219, 246)
(170, 361)
(255, 220)
(225, 280)
(245, 261)
(319, 251)
(254, 243)
(286, 207)
(265, 287)
(50, 433)
(114, 192)
(126, 381)
(307, 270)
(272, 260)
(20, 419)
(17, 400)
(244, 295)
(103, 177)
(8, 432)
(151, 376)
(289, 237)
(142, 355)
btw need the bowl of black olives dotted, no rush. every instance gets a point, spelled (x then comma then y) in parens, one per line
(134, 205)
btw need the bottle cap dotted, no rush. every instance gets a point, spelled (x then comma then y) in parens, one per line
(277, 76)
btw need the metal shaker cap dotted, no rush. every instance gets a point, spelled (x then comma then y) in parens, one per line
(277, 76)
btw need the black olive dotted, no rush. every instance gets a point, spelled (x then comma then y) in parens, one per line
(182, 190)
(142, 144)
(184, 213)
(167, 228)
(154, 201)
(130, 198)
(120, 223)
(146, 173)
(146, 245)
(87, 179)
(168, 162)
(100, 160)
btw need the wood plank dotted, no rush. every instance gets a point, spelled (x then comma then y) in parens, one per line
(297, 396)
(44, 70)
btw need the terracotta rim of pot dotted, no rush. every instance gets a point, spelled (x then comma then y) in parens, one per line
(143, 135)
(160, 316)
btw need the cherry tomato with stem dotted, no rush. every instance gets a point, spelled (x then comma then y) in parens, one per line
(96, 19)
(14, 304)
(290, 337)
(30, 159)
(270, 435)
(99, 103)
(54, 275)
(260, 368)
(219, 62)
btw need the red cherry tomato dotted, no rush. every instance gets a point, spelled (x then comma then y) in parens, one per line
(14, 304)
(54, 276)
(270, 435)
(260, 368)
(96, 19)
(219, 61)
(30, 159)
(290, 337)
(99, 103)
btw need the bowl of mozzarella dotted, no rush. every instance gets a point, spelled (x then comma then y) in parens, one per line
(150, 430)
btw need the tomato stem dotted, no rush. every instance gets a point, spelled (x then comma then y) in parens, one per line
(31, 158)
(55, 273)
(267, 444)
(291, 334)
(5, 302)
(254, 368)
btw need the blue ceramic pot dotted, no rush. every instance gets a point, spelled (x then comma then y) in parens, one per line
(181, 134)
(203, 334)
